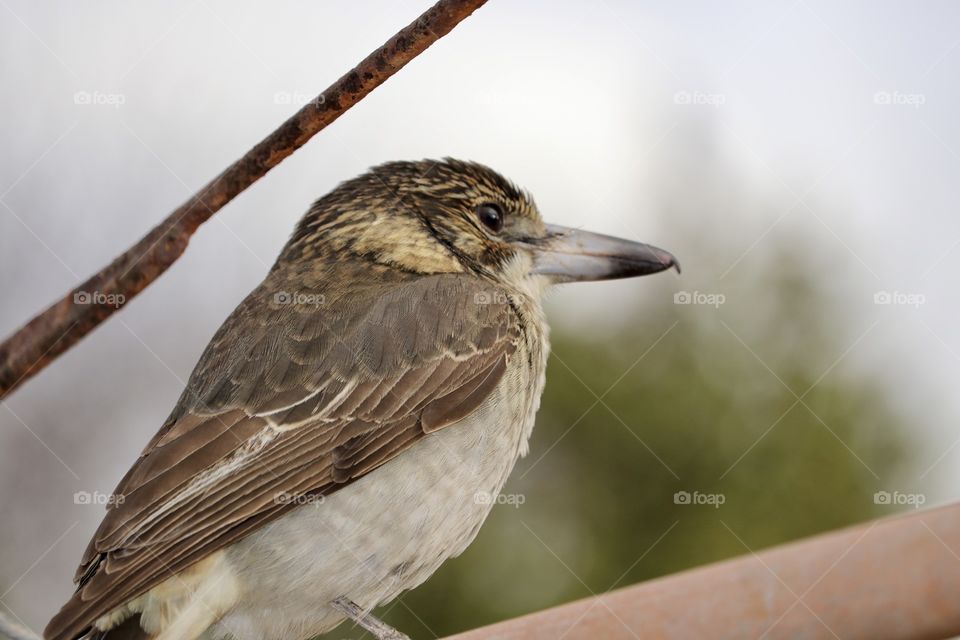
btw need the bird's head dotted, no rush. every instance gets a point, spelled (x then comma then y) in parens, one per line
(452, 216)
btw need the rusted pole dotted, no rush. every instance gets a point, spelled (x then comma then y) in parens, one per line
(893, 579)
(52, 332)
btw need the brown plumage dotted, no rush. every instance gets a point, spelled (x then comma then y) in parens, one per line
(387, 317)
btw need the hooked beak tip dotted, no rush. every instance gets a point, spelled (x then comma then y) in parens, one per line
(667, 259)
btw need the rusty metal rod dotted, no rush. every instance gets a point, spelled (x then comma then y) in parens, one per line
(46, 336)
(891, 579)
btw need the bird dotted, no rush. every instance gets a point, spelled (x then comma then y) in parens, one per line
(346, 428)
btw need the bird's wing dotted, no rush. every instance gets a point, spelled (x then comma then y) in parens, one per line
(292, 397)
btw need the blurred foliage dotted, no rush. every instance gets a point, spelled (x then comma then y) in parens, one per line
(690, 398)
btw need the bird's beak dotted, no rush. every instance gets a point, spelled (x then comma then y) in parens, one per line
(572, 255)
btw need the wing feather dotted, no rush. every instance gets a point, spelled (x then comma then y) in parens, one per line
(291, 401)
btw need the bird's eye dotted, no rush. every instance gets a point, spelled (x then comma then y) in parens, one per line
(491, 216)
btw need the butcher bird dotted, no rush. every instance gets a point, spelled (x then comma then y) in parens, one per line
(350, 424)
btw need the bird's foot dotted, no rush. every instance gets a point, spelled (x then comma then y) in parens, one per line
(380, 629)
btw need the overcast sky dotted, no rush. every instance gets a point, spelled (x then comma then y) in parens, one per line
(116, 112)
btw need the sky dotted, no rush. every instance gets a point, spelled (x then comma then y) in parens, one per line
(612, 114)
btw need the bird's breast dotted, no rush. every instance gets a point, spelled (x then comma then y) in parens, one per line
(391, 529)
